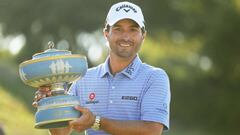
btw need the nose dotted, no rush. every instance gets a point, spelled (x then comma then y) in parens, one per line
(126, 36)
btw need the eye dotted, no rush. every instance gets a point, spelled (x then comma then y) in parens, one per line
(135, 30)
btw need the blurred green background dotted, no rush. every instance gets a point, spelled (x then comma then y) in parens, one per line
(196, 42)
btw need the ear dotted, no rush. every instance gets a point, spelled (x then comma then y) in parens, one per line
(144, 35)
(106, 34)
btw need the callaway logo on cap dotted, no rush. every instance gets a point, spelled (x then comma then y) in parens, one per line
(125, 10)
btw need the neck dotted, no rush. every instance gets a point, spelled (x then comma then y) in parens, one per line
(117, 64)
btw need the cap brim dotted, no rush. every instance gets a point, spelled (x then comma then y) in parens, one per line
(135, 19)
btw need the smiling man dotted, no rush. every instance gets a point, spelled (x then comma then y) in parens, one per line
(122, 96)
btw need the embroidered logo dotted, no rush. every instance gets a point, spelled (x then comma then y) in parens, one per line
(126, 8)
(130, 69)
(91, 98)
(130, 98)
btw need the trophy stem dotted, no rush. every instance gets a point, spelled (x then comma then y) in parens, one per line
(57, 89)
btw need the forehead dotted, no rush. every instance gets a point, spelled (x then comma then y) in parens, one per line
(126, 22)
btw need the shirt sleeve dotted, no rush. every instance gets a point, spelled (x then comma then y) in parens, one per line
(75, 90)
(155, 104)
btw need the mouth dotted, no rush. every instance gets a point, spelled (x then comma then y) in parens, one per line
(125, 45)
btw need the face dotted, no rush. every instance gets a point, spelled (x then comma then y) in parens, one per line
(125, 38)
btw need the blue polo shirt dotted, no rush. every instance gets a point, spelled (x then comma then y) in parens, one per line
(138, 92)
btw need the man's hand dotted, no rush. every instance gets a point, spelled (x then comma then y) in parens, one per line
(43, 91)
(85, 121)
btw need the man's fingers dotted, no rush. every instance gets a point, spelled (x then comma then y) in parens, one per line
(76, 121)
(84, 121)
(39, 96)
(78, 128)
(73, 123)
(35, 104)
(43, 95)
(35, 97)
(80, 109)
(44, 89)
(42, 92)
(49, 93)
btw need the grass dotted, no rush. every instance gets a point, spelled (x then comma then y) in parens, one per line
(15, 118)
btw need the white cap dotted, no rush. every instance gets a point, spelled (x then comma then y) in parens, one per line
(125, 10)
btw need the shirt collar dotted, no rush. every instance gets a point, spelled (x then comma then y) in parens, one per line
(105, 68)
(130, 71)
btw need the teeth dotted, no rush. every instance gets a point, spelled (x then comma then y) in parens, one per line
(125, 45)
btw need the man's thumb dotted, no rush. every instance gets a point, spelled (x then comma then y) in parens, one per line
(79, 108)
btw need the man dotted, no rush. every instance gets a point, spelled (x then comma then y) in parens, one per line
(122, 96)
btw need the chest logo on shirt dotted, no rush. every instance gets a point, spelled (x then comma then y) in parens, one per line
(91, 98)
(130, 98)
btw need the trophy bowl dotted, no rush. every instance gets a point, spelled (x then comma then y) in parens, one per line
(56, 69)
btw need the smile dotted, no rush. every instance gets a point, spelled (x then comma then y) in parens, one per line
(125, 45)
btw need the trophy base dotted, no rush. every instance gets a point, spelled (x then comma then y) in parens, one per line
(56, 111)
(54, 124)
